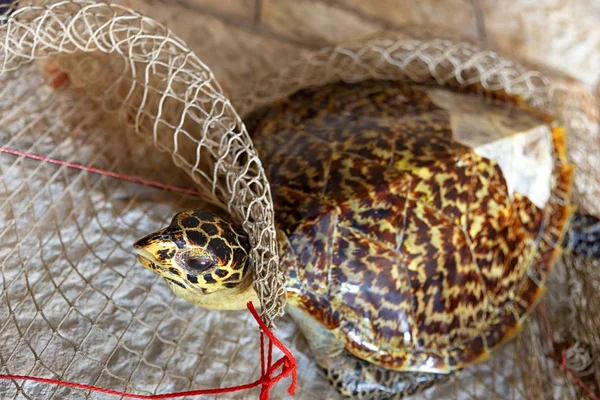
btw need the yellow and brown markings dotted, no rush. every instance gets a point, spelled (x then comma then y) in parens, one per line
(449, 293)
(444, 183)
(306, 252)
(298, 162)
(466, 353)
(312, 242)
(200, 250)
(368, 278)
(562, 178)
(379, 213)
(529, 293)
(503, 325)
(500, 243)
(557, 214)
(289, 263)
(559, 142)
(529, 215)
(400, 239)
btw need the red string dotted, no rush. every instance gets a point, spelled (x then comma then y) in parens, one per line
(563, 355)
(101, 172)
(287, 364)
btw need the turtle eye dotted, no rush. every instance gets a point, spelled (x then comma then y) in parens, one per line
(199, 264)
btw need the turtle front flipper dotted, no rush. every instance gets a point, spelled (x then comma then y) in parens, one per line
(352, 376)
(583, 236)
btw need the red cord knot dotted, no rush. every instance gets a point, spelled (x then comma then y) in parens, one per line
(287, 363)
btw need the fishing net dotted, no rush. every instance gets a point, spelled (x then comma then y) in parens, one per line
(103, 87)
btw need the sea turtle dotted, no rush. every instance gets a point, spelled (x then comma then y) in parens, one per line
(416, 225)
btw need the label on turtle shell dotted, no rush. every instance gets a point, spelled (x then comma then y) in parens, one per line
(517, 140)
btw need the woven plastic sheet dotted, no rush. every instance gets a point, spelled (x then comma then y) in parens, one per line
(104, 87)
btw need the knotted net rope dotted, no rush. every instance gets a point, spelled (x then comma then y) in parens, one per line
(105, 87)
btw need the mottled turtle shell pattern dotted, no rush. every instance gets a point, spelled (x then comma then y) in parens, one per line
(402, 241)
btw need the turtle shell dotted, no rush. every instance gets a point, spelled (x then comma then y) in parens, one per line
(418, 224)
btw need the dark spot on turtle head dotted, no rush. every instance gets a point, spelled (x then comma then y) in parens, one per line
(231, 285)
(210, 229)
(173, 226)
(174, 271)
(165, 254)
(192, 278)
(178, 240)
(205, 216)
(196, 238)
(209, 279)
(221, 250)
(175, 282)
(240, 257)
(190, 222)
(221, 273)
(233, 278)
(230, 237)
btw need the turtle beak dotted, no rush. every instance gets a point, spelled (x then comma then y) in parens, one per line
(146, 259)
(148, 248)
(150, 240)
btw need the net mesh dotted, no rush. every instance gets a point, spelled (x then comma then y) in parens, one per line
(105, 87)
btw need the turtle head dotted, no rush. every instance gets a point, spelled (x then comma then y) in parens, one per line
(203, 258)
